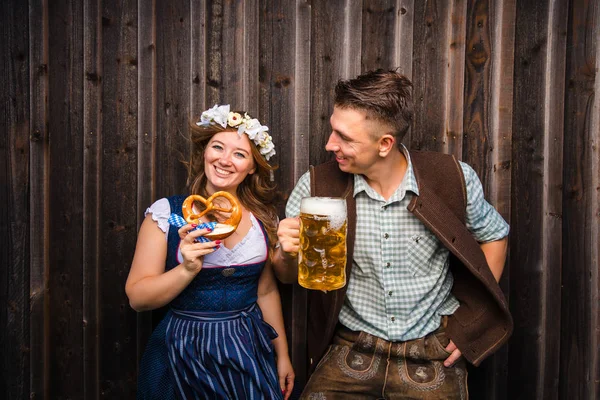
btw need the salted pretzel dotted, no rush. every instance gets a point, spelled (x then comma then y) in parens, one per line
(222, 230)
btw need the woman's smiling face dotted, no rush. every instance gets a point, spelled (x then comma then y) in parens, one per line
(227, 161)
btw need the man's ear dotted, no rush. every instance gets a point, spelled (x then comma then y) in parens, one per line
(386, 143)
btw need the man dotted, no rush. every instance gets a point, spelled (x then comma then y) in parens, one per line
(425, 252)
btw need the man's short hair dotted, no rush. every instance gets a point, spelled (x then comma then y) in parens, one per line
(384, 95)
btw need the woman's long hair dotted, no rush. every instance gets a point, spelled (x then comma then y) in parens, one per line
(257, 192)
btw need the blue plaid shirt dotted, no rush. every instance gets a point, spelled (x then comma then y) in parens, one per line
(400, 281)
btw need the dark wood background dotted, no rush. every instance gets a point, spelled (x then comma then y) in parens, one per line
(96, 96)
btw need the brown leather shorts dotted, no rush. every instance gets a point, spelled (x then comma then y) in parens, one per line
(358, 365)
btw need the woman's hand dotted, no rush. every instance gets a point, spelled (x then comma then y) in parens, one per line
(193, 252)
(286, 376)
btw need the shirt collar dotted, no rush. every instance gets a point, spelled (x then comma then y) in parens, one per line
(409, 182)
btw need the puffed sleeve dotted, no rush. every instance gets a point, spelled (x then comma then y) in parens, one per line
(160, 210)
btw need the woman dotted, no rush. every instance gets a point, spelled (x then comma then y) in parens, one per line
(223, 336)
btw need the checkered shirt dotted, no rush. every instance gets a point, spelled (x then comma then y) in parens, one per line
(400, 282)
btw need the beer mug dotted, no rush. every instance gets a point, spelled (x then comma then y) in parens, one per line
(322, 254)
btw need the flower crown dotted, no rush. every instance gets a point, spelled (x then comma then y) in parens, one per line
(250, 126)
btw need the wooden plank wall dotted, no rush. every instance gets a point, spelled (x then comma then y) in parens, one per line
(96, 99)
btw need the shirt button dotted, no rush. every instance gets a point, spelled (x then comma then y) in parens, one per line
(385, 235)
(393, 319)
(387, 265)
(383, 207)
(390, 293)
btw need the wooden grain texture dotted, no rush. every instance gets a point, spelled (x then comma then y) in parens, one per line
(232, 49)
(579, 312)
(118, 187)
(146, 136)
(92, 128)
(65, 193)
(14, 217)
(458, 20)
(284, 85)
(379, 20)
(431, 44)
(173, 60)
(490, 380)
(552, 198)
(38, 201)
(335, 29)
(198, 58)
(403, 37)
(478, 89)
(527, 289)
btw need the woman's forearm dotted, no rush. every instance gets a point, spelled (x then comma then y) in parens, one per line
(154, 292)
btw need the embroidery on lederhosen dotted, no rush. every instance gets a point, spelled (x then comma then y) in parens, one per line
(423, 372)
(364, 374)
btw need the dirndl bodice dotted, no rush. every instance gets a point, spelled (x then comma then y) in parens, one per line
(213, 342)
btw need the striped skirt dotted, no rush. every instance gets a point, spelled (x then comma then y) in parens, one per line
(222, 355)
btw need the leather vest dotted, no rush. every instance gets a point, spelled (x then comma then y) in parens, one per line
(483, 322)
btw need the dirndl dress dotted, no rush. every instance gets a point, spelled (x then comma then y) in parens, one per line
(213, 342)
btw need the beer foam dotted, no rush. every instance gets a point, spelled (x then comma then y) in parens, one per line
(332, 208)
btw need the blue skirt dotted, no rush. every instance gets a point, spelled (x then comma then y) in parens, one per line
(210, 355)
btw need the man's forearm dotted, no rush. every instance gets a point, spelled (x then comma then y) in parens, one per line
(495, 254)
(285, 266)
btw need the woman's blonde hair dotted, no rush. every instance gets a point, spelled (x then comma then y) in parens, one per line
(257, 192)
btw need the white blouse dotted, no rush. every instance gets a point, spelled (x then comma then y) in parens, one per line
(251, 249)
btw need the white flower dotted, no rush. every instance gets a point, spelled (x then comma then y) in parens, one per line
(250, 126)
(217, 114)
(234, 119)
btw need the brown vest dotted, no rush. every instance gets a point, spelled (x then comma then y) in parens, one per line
(482, 323)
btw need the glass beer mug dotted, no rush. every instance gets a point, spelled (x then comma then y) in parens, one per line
(322, 255)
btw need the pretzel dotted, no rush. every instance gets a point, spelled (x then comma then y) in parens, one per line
(222, 230)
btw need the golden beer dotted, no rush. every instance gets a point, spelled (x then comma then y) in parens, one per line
(322, 255)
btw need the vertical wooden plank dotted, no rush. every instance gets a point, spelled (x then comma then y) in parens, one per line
(430, 80)
(249, 23)
(284, 105)
(300, 149)
(379, 21)
(489, 381)
(477, 89)
(172, 94)
(38, 199)
(535, 239)
(118, 210)
(65, 66)
(92, 128)
(232, 63)
(198, 59)
(593, 32)
(278, 82)
(502, 17)
(452, 141)
(302, 97)
(579, 340)
(333, 57)
(146, 136)
(14, 217)
(403, 37)
(552, 197)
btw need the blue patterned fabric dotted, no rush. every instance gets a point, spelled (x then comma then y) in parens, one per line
(213, 343)
(177, 221)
